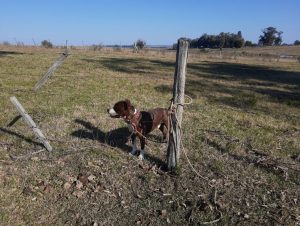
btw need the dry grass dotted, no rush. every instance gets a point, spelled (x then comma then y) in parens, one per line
(242, 133)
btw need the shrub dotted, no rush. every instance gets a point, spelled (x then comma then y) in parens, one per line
(297, 42)
(46, 44)
(140, 43)
(249, 44)
(174, 46)
(270, 37)
(117, 48)
(97, 47)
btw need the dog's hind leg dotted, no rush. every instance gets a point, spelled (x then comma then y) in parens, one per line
(134, 148)
(163, 128)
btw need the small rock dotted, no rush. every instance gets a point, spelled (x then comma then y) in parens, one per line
(99, 188)
(295, 201)
(168, 221)
(79, 185)
(60, 161)
(163, 213)
(47, 189)
(67, 186)
(138, 196)
(246, 216)
(78, 194)
(40, 183)
(83, 179)
(91, 178)
(27, 191)
(70, 178)
(66, 177)
(35, 159)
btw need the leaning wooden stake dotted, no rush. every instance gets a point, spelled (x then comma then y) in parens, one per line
(50, 71)
(174, 144)
(31, 123)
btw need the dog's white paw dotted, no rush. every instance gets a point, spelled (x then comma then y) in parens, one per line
(141, 157)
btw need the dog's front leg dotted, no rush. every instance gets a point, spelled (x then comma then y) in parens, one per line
(133, 141)
(142, 153)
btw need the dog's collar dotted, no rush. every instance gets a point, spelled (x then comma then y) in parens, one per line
(136, 114)
(133, 119)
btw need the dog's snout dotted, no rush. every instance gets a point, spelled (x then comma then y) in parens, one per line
(112, 112)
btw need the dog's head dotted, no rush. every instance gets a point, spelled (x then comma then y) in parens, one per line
(121, 109)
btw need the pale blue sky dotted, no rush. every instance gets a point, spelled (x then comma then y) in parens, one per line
(158, 22)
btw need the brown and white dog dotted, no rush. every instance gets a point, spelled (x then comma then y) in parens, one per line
(140, 123)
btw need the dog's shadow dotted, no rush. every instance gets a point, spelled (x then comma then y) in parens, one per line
(116, 138)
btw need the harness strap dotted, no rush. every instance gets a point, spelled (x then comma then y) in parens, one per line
(133, 120)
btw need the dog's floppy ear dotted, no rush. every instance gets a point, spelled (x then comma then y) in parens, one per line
(129, 106)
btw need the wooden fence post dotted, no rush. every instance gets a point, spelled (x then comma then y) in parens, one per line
(37, 132)
(51, 70)
(174, 144)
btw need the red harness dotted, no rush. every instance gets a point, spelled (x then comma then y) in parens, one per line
(133, 120)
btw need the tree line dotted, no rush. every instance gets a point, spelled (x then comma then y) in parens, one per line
(222, 40)
(270, 37)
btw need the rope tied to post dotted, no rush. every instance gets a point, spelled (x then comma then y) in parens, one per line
(173, 107)
(172, 112)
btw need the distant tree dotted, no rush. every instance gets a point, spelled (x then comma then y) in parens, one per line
(222, 40)
(174, 46)
(278, 39)
(117, 47)
(140, 43)
(238, 40)
(97, 47)
(193, 43)
(249, 43)
(6, 43)
(297, 42)
(239, 34)
(270, 37)
(208, 41)
(46, 44)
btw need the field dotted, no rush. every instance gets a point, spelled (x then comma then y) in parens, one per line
(241, 135)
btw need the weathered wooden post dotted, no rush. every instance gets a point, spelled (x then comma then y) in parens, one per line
(37, 132)
(51, 70)
(174, 144)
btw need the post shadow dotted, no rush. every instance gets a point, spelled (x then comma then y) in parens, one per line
(28, 140)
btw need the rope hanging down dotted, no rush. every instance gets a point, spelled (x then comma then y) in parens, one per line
(172, 112)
